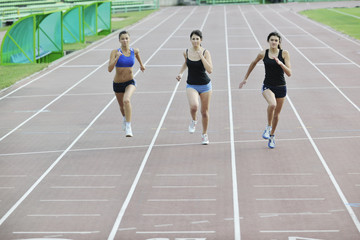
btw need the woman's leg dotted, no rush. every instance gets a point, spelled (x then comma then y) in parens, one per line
(271, 100)
(129, 91)
(279, 105)
(193, 98)
(205, 103)
(120, 99)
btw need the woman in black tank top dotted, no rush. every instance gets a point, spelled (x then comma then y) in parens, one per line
(276, 62)
(198, 61)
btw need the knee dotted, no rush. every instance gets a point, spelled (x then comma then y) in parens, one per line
(272, 106)
(205, 113)
(126, 101)
(193, 108)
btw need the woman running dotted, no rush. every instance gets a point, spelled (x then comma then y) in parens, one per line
(198, 61)
(124, 84)
(276, 61)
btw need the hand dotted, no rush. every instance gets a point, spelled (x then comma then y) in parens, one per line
(242, 83)
(278, 61)
(118, 54)
(178, 77)
(142, 68)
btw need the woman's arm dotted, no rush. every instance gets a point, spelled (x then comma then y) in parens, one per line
(287, 66)
(259, 57)
(114, 56)
(182, 70)
(206, 60)
(137, 55)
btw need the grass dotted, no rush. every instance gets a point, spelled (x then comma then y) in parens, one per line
(344, 20)
(10, 74)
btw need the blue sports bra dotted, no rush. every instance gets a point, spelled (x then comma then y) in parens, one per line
(125, 61)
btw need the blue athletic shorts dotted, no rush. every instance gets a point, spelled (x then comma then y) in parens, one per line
(120, 87)
(279, 91)
(201, 88)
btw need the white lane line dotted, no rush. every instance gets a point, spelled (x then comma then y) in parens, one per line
(212, 186)
(187, 175)
(164, 225)
(177, 214)
(200, 222)
(164, 65)
(321, 158)
(74, 200)
(290, 199)
(12, 176)
(181, 200)
(266, 215)
(307, 48)
(299, 231)
(282, 174)
(80, 66)
(64, 215)
(52, 166)
(146, 157)
(321, 72)
(53, 101)
(82, 187)
(58, 232)
(127, 229)
(176, 144)
(237, 229)
(27, 193)
(239, 48)
(333, 64)
(177, 232)
(343, 13)
(90, 175)
(284, 186)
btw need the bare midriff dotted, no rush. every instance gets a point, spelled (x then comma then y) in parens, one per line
(123, 74)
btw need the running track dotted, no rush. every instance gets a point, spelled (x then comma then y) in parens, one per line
(68, 172)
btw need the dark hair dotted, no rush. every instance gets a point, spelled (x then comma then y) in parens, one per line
(123, 32)
(276, 34)
(197, 33)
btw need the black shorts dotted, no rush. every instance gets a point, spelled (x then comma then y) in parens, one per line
(279, 91)
(120, 87)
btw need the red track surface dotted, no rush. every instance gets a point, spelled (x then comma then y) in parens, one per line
(68, 172)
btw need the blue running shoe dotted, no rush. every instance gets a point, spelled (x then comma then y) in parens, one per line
(271, 143)
(266, 134)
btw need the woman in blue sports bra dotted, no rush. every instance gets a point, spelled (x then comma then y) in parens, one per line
(276, 62)
(124, 84)
(198, 61)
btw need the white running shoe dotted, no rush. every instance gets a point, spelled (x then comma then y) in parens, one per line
(271, 143)
(192, 126)
(266, 134)
(205, 139)
(124, 125)
(128, 131)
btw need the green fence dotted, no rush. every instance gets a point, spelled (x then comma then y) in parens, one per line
(35, 38)
(40, 37)
(12, 10)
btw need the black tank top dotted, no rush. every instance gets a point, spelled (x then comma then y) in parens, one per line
(196, 72)
(274, 74)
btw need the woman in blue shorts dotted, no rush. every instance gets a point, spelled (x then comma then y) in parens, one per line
(276, 62)
(124, 84)
(198, 61)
